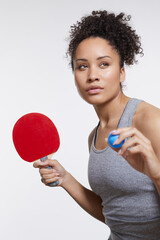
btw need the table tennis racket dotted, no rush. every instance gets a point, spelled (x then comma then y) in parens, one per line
(35, 137)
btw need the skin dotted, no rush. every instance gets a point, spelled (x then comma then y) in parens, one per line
(97, 63)
(93, 68)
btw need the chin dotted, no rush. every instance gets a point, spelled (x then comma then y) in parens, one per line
(94, 100)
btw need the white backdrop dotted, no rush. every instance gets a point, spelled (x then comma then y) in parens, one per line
(35, 77)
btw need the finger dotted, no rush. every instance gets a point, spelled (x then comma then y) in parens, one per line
(42, 180)
(120, 130)
(142, 150)
(136, 132)
(131, 143)
(50, 180)
(45, 170)
(136, 150)
(36, 164)
(123, 134)
(130, 132)
(48, 176)
(47, 162)
(50, 162)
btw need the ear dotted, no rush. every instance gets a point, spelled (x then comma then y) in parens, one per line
(122, 74)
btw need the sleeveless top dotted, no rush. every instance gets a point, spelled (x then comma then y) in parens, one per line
(130, 200)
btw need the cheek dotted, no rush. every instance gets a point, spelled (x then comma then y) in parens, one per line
(78, 78)
(77, 82)
(75, 79)
(78, 85)
(113, 76)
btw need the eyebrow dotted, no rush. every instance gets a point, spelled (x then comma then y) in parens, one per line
(83, 59)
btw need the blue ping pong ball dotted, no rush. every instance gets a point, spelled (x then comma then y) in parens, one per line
(112, 139)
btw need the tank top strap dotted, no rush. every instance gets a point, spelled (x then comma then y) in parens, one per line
(128, 113)
(95, 135)
(126, 117)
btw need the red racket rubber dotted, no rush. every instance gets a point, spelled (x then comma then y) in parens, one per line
(35, 137)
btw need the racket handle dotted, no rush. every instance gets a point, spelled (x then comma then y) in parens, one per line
(49, 167)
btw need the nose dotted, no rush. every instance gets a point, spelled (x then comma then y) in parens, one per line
(93, 75)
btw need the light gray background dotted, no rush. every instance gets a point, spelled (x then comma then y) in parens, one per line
(35, 77)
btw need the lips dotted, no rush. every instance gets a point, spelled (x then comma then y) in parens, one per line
(94, 90)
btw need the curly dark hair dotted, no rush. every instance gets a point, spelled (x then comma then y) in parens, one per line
(114, 29)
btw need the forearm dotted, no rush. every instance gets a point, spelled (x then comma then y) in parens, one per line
(86, 198)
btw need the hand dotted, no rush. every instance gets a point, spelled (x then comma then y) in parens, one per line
(138, 152)
(51, 175)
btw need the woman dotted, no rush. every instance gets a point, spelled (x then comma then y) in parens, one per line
(125, 182)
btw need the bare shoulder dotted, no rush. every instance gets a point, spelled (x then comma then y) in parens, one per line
(90, 138)
(147, 121)
(145, 115)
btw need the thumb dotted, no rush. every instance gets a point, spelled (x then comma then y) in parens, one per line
(115, 149)
(47, 162)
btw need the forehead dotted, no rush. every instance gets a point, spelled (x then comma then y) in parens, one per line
(95, 47)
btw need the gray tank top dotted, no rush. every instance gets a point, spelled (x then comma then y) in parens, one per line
(131, 204)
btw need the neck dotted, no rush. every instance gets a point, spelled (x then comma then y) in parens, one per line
(110, 112)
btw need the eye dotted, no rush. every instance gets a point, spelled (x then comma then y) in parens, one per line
(104, 64)
(82, 66)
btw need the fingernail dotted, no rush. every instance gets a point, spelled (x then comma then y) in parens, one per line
(113, 131)
(116, 141)
(40, 164)
(119, 152)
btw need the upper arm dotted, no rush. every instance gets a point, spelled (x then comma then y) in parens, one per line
(154, 134)
(90, 138)
(150, 126)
